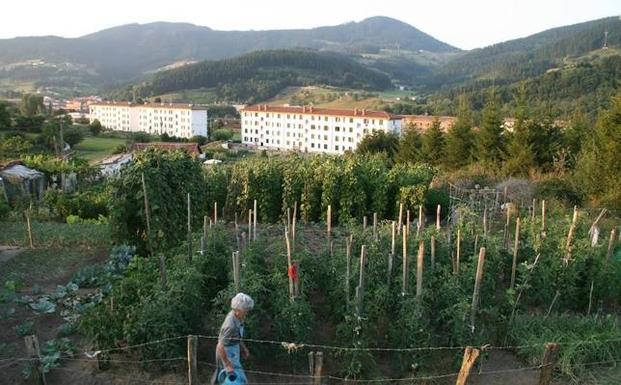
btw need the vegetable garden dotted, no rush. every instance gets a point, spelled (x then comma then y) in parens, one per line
(383, 294)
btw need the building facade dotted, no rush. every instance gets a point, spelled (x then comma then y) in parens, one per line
(310, 129)
(180, 120)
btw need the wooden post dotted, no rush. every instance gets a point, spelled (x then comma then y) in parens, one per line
(391, 256)
(236, 271)
(311, 363)
(289, 263)
(516, 245)
(364, 223)
(249, 224)
(203, 245)
(288, 219)
(407, 221)
(458, 252)
(477, 288)
(348, 246)
(419, 269)
(470, 356)
(590, 299)
(570, 235)
(318, 368)
(163, 274)
(532, 219)
(254, 213)
(146, 213)
(189, 229)
(438, 211)
(215, 213)
(329, 227)
(404, 286)
(549, 361)
(611, 245)
(243, 241)
(33, 351)
(29, 228)
(485, 223)
(205, 226)
(293, 222)
(375, 226)
(476, 243)
(400, 220)
(192, 362)
(421, 219)
(505, 236)
(433, 251)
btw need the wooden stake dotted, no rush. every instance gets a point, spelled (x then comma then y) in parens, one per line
(289, 263)
(611, 245)
(400, 219)
(329, 226)
(360, 288)
(421, 218)
(192, 362)
(203, 243)
(438, 210)
(590, 299)
(205, 224)
(476, 243)
(485, 223)
(375, 226)
(534, 210)
(419, 269)
(293, 222)
(570, 236)
(404, 286)
(433, 251)
(407, 221)
(458, 253)
(147, 215)
(33, 351)
(470, 356)
(505, 237)
(543, 218)
(391, 256)
(549, 361)
(556, 295)
(311, 363)
(364, 223)
(249, 224)
(29, 227)
(348, 246)
(215, 213)
(254, 213)
(516, 246)
(477, 288)
(163, 274)
(189, 229)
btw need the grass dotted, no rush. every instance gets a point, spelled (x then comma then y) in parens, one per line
(95, 148)
(55, 235)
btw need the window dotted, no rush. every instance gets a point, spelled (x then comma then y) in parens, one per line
(337, 128)
(351, 120)
(351, 129)
(325, 128)
(325, 137)
(325, 146)
(326, 119)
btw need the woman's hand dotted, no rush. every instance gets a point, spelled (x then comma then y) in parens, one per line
(229, 367)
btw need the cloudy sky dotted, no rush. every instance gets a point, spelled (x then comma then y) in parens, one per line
(462, 23)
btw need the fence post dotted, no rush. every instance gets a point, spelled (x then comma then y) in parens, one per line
(192, 367)
(543, 218)
(516, 246)
(547, 366)
(318, 368)
(33, 351)
(311, 363)
(477, 288)
(470, 356)
(205, 226)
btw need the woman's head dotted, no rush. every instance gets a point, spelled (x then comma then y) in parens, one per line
(241, 305)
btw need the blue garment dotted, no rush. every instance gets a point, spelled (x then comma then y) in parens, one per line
(233, 353)
(231, 333)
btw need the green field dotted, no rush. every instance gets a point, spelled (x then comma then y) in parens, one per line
(97, 148)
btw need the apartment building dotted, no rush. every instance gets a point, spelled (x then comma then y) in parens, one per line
(174, 119)
(310, 129)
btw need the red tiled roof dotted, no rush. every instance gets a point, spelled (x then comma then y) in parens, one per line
(310, 110)
(183, 106)
(190, 148)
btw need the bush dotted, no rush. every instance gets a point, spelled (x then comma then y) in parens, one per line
(222, 134)
(5, 209)
(201, 140)
(558, 188)
(95, 127)
(92, 204)
(435, 197)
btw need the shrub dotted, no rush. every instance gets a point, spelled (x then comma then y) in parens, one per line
(558, 188)
(222, 134)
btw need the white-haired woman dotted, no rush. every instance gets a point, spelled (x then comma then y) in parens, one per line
(231, 347)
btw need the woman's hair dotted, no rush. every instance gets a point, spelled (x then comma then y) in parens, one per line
(242, 302)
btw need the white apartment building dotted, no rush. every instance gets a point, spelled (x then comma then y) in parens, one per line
(311, 129)
(174, 119)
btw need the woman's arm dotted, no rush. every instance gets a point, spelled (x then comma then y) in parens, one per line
(244, 349)
(228, 365)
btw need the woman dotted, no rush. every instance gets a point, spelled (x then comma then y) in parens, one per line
(230, 346)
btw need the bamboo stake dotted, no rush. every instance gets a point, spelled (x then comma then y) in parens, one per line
(516, 245)
(438, 211)
(289, 263)
(570, 235)
(458, 253)
(611, 245)
(477, 288)
(419, 269)
(404, 286)
(189, 228)
(400, 219)
(254, 214)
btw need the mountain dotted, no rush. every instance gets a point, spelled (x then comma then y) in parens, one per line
(530, 56)
(260, 75)
(127, 52)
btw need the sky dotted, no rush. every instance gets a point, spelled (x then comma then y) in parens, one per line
(465, 24)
